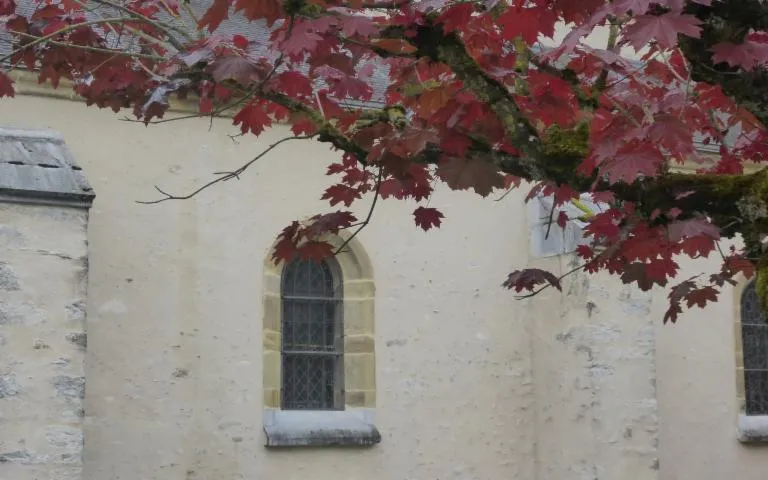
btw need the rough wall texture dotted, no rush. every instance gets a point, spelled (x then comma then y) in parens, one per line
(698, 398)
(174, 361)
(470, 383)
(595, 379)
(43, 277)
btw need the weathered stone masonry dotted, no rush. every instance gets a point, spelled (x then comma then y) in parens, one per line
(44, 202)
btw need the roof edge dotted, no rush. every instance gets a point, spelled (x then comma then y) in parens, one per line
(39, 197)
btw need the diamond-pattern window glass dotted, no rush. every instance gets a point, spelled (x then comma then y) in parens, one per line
(754, 333)
(312, 336)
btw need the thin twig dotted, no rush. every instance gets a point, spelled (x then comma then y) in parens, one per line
(717, 244)
(551, 216)
(367, 218)
(509, 190)
(224, 175)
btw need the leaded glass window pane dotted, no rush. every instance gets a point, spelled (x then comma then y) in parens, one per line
(754, 332)
(312, 345)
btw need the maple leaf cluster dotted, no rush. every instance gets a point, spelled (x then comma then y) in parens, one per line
(463, 93)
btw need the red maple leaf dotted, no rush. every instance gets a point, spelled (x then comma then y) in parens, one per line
(633, 159)
(748, 55)
(551, 100)
(639, 273)
(427, 217)
(663, 28)
(293, 83)
(240, 42)
(205, 105)
(692, 228)
(329, 223)
(315, 250)
(527, 23)
(269, 10)
(530, 278)
(456, 16)
(394, 45)
(462, 173)
(6, 85)
(431, 101)
(738, 264)
(253, 118)
(7, 7)
(237, 68)
(692, 294)
(341, 193)
(216, 13)
(344, 86)
(352, 25)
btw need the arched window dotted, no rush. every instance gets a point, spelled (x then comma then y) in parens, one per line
(319, 349)
(754, 337)
(312, 350)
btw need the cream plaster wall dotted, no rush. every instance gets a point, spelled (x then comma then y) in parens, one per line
(174, 357)
(698, 404)
(594, 378)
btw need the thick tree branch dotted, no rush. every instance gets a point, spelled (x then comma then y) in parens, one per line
(448, 48)
(327, 132)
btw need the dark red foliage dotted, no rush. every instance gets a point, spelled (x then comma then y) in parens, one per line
(471, 116)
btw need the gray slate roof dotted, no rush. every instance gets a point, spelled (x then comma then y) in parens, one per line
(257, 32)
(37, 167)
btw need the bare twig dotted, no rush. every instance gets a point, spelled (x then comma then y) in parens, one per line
(551, 216)
(224, 175)
(367, 220)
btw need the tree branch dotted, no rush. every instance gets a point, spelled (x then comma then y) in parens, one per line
(224, 175)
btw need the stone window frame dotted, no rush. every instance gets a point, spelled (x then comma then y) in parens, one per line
(354, 425)
(751, 428)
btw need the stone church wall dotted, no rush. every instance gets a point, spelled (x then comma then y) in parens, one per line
(43, 281)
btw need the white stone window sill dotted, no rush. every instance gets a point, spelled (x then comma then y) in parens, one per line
(753, 428)
(298, 428)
